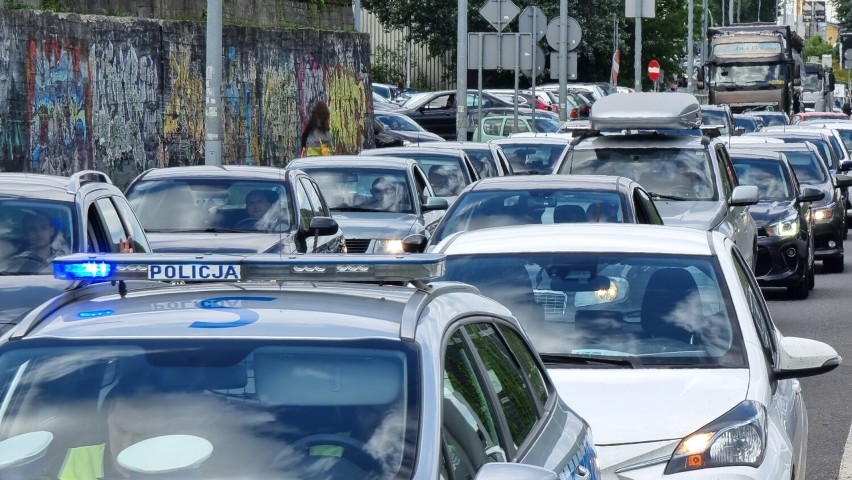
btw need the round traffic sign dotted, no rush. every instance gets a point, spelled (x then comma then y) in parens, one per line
(654, 70)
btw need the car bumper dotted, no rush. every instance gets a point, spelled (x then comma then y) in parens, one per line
(781, 261)
(772, 468)
(828, 238)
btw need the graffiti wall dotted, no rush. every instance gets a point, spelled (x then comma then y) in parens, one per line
(124, 95)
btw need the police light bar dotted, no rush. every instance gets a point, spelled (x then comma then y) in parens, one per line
(256, 267)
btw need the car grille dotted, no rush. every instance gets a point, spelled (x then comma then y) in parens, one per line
(357, 245)
(764, 262)
(553, 302)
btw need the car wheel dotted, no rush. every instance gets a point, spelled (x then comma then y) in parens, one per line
(800, 290)
(833, 264)
(811, 277)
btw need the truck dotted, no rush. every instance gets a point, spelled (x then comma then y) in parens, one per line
(753, 67)
(817, 88)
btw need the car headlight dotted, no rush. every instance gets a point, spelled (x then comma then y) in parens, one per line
(823, 214)
(389, 246)
(737, 438)
(789, 227)
(407, 143)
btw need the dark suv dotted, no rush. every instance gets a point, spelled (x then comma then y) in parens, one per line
(45, 216)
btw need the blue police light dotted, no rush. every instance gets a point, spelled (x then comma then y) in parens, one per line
(88, 270)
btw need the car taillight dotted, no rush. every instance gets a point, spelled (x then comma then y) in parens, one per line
(575, 113)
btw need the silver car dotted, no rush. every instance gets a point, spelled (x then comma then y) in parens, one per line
(654, 138)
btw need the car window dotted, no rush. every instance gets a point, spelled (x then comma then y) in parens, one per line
(729, 174)
(534, 372)
(317, 207)
(34, 231)
(469, 421)
(424, 191)
(759, 313)
(653, 310)
(807, 167)
(684, 173)
(445, 172)
(526, 157)
(355, 188)
(305, 208)
(769, 176)
(483, 161)
(112, 222)
(140, 244)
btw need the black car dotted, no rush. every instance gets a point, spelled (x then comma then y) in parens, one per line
(502, 201)
(829, 214)
(402, 129)
(45, 216)
(436, 111)
(233, 209)
(785, 241)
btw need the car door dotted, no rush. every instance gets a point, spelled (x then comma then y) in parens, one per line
(104, 229)
(436, 117)
(738, 223)
(325, 243)
(786, 407)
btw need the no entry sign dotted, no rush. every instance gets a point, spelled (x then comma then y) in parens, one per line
(654, 70)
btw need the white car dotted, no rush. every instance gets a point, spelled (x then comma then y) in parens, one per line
(660, 337)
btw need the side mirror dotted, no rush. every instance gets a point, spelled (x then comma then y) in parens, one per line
(699, 75)
(845, 165)
(797, 72)
(514, 471)
(699, 84)
(744, 195)
(415, 243)
(321, 226)
(435, 203)
(739, 131)
(797, 81)
(842, 181)
(803, 357)
(811, 194)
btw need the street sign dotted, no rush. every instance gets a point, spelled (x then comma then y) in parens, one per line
(639, 8)
(575, 33)
(539, 62)
(654, 70)
(525, 22)
(499, 51)
(499, 13)
(572, 65)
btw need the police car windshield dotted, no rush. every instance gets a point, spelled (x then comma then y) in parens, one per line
(684, 174)
(663, 310)
(33, 232)
(269, 410)
(497, 208)
(356, 189)
(211, 204)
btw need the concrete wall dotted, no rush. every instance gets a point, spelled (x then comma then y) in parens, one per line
(124, 95)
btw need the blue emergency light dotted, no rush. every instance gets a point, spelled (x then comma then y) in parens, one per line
(257, 267)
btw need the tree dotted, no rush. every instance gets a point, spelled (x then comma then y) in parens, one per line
(815, 47)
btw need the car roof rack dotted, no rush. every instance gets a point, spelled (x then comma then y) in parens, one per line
(646, 111)
(78, 179)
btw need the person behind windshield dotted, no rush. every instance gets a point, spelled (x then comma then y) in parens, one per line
(43, 239)
(258, 205)
(439, 178)
(387, 195)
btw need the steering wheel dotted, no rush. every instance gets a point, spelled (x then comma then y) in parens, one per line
(682, 191)
(246, 224)
(27, 262)
(354, 450)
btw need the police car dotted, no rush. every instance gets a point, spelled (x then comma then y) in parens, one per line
(266, 366)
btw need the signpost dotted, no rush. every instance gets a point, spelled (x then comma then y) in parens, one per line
(638, 9)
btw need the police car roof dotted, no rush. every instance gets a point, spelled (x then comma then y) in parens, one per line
(34, 185)
(316, 311)
(210, 171)
(643, 140)
(574, 182)
(580, 237)
(361, 161)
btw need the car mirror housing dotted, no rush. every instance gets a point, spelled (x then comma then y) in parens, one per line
(514, 471)
(842, 181)
(845, 165)
(744, 195)
(435, 203)
(811, 194)
(415, 243)
(739, 131)
(321, 226)
(803, 357)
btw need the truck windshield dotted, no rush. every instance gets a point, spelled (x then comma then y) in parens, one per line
(747, 75)
(811, 82)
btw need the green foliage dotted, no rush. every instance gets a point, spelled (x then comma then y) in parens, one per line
(843, 13)
(389, 64)
(11, 5)
(58, 6)
(815, 47)
(316, 6)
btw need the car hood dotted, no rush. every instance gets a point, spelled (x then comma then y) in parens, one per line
(703, 215)
(222, 243)
(769, 212)
(415, 137)
(649, 405)
(21, 293)
(375, 224)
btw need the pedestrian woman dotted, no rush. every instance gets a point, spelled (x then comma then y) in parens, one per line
(315, 137)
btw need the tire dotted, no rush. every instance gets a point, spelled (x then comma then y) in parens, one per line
(811, 278)
(800, 290)
(833, 264)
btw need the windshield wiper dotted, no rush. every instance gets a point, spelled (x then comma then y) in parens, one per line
(355, 209)
(575, 359)
(666, 197)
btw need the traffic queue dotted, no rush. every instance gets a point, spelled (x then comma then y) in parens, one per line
(577, 305)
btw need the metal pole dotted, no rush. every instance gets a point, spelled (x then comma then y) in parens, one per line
(517, 75)
(563, 60)
(690, 46)
(730, 12)
(703, 32)
(213, 86)
(532, 76)
(356, 14)
(637, 61)
(461, 73)
(479, 97)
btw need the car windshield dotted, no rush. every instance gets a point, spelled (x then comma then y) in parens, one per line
(533, 158)
(811, 82)
(353, 188)
(496, 208)
(826, 153)
(399, 123)
(269, 410)
(33, 232)
(806, 167)
(546, 125)
(684, 174)
(748, 123)
(821, 117)
(769, 176)
(747, 75)
(653, 310)
(444, 171)
(772, 119)
(210, 204)
(483, 160)
(716, 118)
(846, 135)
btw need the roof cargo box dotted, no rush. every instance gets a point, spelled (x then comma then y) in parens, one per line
(646, 111)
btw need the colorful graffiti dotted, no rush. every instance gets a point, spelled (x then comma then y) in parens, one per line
(280, 125)
(347, 102)
(183, 120)
(58, 92)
